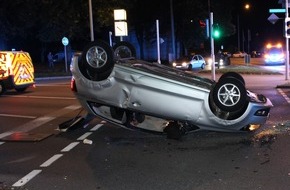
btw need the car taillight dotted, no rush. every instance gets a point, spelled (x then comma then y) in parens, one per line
(73, 86)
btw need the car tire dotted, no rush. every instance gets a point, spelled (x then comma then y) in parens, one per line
(202, 66)
(229, 94)
(2, 88)
(189, 67)
(234, 75)
(20, 89)
(97, 61)
(124, 50)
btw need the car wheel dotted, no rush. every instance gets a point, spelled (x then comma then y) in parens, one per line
(97, 61)
(229, 94)
(2, 88)
(20, 89)
(189, 67)
(202, 66)
(124, 50)
(234, 75)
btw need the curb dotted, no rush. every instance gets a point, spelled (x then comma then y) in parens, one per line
(52, 78)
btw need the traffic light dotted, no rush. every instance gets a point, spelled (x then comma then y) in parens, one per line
(287, 27)
(216, 32)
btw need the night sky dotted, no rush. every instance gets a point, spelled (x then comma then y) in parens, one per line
(257, 19)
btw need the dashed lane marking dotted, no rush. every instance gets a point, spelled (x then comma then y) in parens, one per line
(54, 158)
(284, 95)
(51, 160)
(26, 178)
(84, 136)
(97, 127)
(70, 147)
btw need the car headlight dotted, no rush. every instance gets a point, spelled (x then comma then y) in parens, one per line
(174, 64)
(184, 64)
(209, 61)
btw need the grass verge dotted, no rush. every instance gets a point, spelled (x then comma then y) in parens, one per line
(243, 69)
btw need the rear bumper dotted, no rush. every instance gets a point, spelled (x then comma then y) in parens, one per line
(9, 83)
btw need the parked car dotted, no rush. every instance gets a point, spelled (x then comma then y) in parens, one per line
(59, 57)
(196, 61)
(140, 95)
(239, 54)
(256, 54)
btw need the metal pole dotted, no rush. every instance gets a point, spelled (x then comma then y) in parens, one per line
(238, 20)
(158, 42)
(287, 45)
(212, 47)
(91, 20)
(110, 38)
(65, 58)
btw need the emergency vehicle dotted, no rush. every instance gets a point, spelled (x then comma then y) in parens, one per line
(16, 71)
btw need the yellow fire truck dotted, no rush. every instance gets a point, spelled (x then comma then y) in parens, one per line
(16, 71)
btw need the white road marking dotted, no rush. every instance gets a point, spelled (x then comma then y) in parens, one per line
(2, 143)
(69, 147)
(284, 95)
(95, 128)
(18, 116)
(84, 136)
(26, 178)
(54, 158)
(42, 97)
(2, 135)
(51, 160)
(34, 123)
(73, 107)
(41, 120)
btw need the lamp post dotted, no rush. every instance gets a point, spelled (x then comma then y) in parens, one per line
(246, 7)
(91, 20)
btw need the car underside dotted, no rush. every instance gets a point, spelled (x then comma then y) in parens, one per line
(139, 95)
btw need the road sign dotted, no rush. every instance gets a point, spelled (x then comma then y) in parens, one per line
(277, 10)
(273, 18)
(121, 28)
(65, 41)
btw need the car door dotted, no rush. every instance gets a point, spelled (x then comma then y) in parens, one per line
(195, 61)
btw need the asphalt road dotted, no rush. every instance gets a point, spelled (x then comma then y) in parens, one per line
(121, 159)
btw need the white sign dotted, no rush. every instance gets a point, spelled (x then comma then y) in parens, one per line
(120, 14)
(65, 41)
(121, 28)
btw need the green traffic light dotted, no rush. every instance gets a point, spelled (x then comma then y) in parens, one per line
(216, 34)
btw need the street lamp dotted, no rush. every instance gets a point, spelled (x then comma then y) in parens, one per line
(91, 20)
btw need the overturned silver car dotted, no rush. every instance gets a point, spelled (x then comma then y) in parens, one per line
(136, 94)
